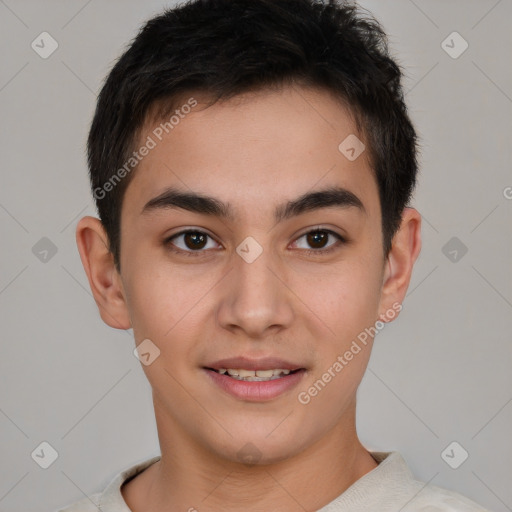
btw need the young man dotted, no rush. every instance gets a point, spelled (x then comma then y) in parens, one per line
(252, 163)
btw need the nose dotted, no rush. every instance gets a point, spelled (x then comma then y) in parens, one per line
(256, 298)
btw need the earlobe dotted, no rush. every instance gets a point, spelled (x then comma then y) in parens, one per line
(405, 250)
(98, 263)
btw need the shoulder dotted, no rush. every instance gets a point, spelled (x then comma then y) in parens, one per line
(430, 498)
(111, 497)
(89, 504)
(394, 483)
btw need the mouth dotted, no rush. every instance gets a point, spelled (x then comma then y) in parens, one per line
(255, 375)
(261, 383)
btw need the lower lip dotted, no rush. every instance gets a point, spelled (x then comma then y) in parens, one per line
(256, 391)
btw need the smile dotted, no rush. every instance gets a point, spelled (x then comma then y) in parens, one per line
(255, 385)
(254, 375)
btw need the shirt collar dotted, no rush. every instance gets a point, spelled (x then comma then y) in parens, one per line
(381, 480)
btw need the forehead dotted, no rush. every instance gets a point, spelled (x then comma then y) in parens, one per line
(254, 150)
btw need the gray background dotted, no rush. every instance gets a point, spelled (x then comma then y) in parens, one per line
(441, 373)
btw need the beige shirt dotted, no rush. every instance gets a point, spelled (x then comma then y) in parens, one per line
(390, 487)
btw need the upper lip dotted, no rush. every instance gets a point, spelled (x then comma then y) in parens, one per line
(266, 363)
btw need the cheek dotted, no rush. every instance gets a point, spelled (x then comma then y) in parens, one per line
(359, 300)
(347, 302)
(168, 305)
(344, 298)
(155, 300)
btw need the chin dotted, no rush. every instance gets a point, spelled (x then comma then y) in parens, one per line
(262, 449)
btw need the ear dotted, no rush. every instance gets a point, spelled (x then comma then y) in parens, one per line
(104, 280)
(406, 246)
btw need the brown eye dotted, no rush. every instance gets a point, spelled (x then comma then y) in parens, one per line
(317, 239)
(191, 242)
(194, 240)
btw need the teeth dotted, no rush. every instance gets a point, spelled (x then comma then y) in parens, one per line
(264, 373)
(254, 375)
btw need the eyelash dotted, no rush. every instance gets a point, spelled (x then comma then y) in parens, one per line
(309, 252)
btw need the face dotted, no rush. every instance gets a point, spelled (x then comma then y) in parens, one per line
(251, 276)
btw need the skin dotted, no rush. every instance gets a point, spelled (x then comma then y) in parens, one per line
(307, 308)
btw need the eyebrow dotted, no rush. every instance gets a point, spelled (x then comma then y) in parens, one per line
(173, 198)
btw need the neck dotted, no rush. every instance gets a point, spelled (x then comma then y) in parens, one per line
(188, 477)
